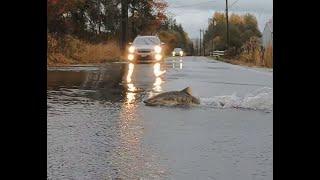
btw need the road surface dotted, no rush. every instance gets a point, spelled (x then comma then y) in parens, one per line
(99, 128)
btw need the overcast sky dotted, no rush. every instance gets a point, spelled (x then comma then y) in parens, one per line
(194, 14)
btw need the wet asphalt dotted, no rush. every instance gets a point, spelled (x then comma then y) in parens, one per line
(99, 128)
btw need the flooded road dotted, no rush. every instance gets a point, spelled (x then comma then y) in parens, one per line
(99, 128)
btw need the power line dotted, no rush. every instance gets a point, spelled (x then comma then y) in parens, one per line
(182, 14)
(233, 3)
(180, 1)
(193, 4)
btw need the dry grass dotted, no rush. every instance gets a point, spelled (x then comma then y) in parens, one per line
(69, 50)
(58, 59)
(255, 58)
(268, 57)
(99, 53)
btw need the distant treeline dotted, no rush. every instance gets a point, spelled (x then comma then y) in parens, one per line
(241, 29)
(244, 47)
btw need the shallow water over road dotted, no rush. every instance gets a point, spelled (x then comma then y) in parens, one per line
(99, 128)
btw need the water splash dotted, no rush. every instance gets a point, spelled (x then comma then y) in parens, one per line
(261, 99)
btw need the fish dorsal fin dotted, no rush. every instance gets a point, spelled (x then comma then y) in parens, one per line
(187, 90)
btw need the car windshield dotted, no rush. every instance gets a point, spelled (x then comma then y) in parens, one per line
(177, 50)
(146, 41)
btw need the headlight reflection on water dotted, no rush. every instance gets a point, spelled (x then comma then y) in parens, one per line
(130, 71)
(130, 97)
(156, 70)
(131, 88)
(157, 84)
(130, 132)
(180, 65)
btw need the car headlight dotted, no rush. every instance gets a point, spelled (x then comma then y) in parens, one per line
(157, 49)
(131, 49)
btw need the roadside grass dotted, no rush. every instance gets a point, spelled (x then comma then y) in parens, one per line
(253, 58)
(70, 50)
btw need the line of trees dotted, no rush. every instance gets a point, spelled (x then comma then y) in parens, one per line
(90, 18)
(98, 21)
(174, 35)
(241, 29)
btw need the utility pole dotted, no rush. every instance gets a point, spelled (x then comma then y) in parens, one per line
(227, 28)
(99, 25)
(212, 22)
(200, 42)
(197, 47)
(133, 33)
(204, 49)
(212, 42)
(124, 25)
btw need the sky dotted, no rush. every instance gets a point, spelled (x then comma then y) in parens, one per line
(193, 14)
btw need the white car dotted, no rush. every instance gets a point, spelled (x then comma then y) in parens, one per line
(177, 52)
(145, 49)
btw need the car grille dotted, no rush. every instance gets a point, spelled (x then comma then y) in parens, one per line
(144, 50)
(144, 57)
